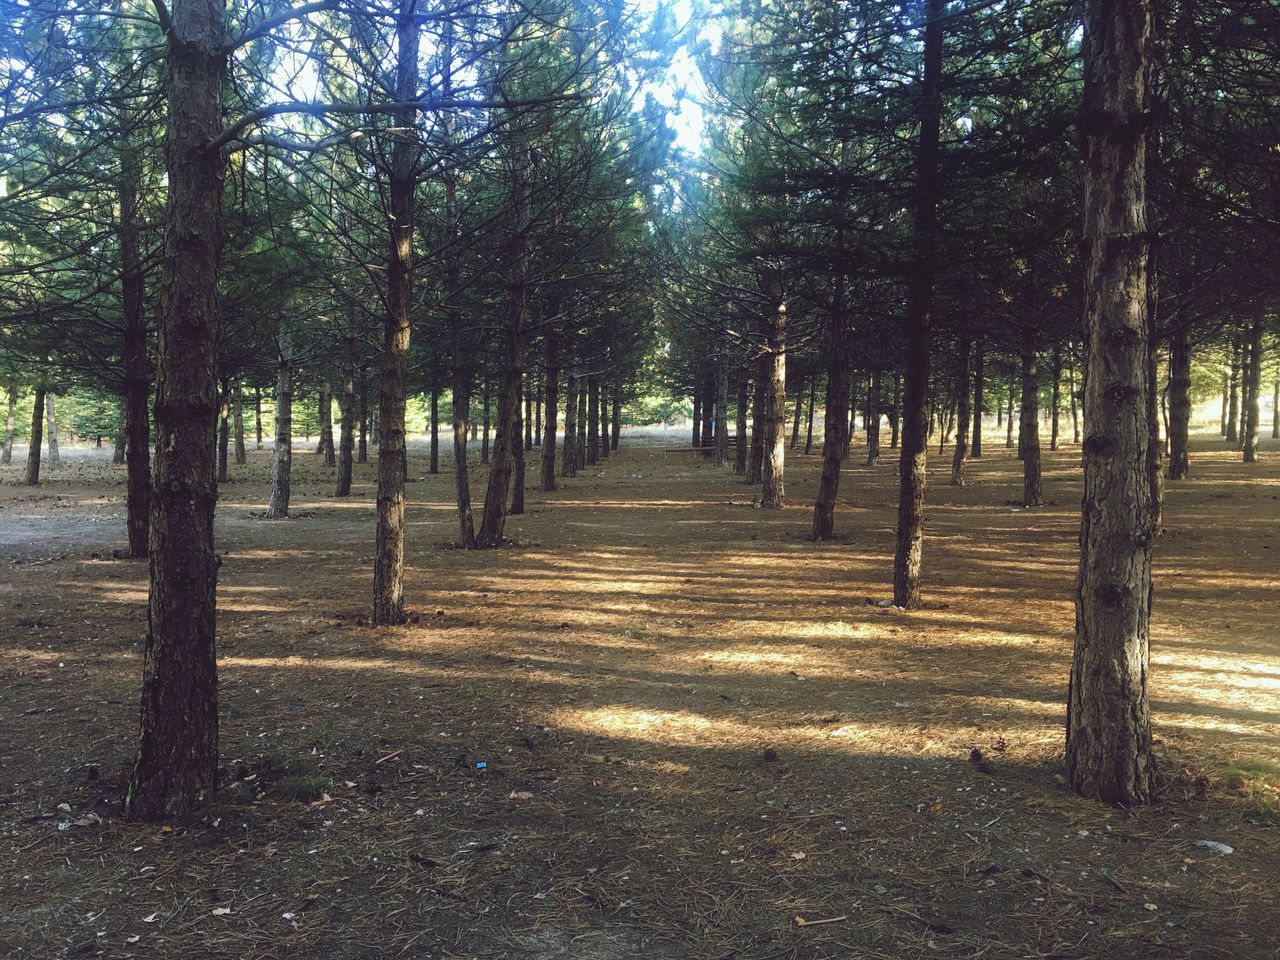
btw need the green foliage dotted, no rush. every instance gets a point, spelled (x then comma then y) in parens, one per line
(93, 413)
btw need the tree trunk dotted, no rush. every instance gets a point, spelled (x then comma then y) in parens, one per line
(551, 384)
(539, 391)
(177, 761)
(528, 389)
(1233, 405)
(795, 422)
(1108, 718)
(1008, 421)
(1179, 403)
(1029, 427)
(518, 450)
(835, 424)
(362, 417)
(593, 420)
(569, 468)
(237, 423)
(873, 418)
(434, 466)
(740, 426)
(755, 465)
(1226, 391)
(773, 488)
(895, 420)
(722, 408)
(1253, 388)
(979, 401)
(37, 438)
(51, 418)
(912, 463)
(487, 402)
(118, 449)
(326, 425)
(615, 431)
(224, 429)
(808, 431)
(1275, 408)
(1075, 412)
(10, 423)
(282, 460)
(580, 444)
(1055, 395)
(696, 439)
(257, 416)
(708, 413)
(347, 425)
(962, 417)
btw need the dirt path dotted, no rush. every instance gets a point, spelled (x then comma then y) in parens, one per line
(694, 727)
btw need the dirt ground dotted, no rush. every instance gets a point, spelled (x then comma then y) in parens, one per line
(661, 725)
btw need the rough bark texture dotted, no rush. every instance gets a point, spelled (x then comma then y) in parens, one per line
(326, 448)
(795, 419)
(1253, 389)
(1029, 426)
(51, 421)
(740, 426)
(615, 426)
(551, 386)
(979, 389)
(36, 440)
(282, 461)
(915, 418)
(346, 433)
(237, 424)
(518, 454)
(388, 554)
(834, 428)
(176, 765)
(773, 487)
(696, 419)
(1179, 404)
(961, 453)
(808, 431)
(1108, 745)
(1233, 405)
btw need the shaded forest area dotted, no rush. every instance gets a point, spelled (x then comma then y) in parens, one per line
(589, 479)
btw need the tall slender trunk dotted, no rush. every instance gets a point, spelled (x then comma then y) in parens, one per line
(1253, 388)
(1075, 412)
(979, 400)
(569, 468)
(1233, 404)
(795, 420)
(1275, 408)
(1179, 403)
(911, 467)
(434, 465)
(388, 560)
(962, 416)
(773, 487)
(1029, 428)
(1008, 420)
(604, 421)
(722, 407)
(895, 421)
(326, 425)
(740, 425)
(1055, 395)
(551, 386)
(257, 417)
(1108, 744)
(347, 424)
(1246, 357)
(37, 437)
(708, 412)
(117, 451)
(51, 419)
(362, 418)
(755, 464)
(485, 420)
(696, 439)
(580, 445)
(518, 451)
(615, 427)
(282, 460)
(873, 418)
(851, 415)
(10, 422)
(593, 420)
(835, 425)
(237, 423)
(808, 432)
(224, 429)
(1226, 391)
(176, 766)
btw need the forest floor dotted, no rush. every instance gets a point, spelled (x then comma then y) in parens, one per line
(662, 724)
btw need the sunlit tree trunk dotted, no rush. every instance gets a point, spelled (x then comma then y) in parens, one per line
(1253, 388)
(1075, 411)
(282, 459)
(1109, 754)
(580, 443)
(177, 760)
(773, 488)
(911, 467)
(224, 429)
(257, 416)
(36, 439)
(1233, 404)
(961, 453)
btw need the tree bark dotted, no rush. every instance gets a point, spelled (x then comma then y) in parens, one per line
(580, 444)
(1108, 717)
(808, 433)
(1275, 408)
(434, 465)
(1029, 425)
(873, 418)
(1179, 404)
(346, 427)
(740, 426)
(388, 557)
(895, 420)
(257, 416)
(1055, 395)
(835, 425)
(722, 408)
(1075, 412)
(485, 424)
(36, 440)
(569, 468)
(593, 420)
(237, 423)
(1008, 420)
(795, 421)
(224, 429)
(911, 467)
(708, 413)
(962, 417)
(51, 419)
(1233, 405)
(755, 465)
(518, 451)
(615, 431)
(772, 477)
(696, 439)
(326, 425)
(176, 766)
(551, 384)
(282, 460)
(1253, 388)
(979, 401)
(528, 390)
